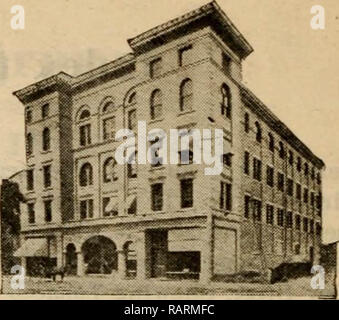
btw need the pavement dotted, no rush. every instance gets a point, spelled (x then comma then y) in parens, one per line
(109, 285)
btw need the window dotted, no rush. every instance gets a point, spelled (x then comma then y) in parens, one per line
(225, 196)
(299, 164)
(269, 214)
(48, 210)
(85, 135)
(289, 219)
(29, 115)
(132, 209)
(271, 142)
(86, 175)
(247, 122)
(47, 176)
(155, 68)
(132, 167)
(226, 107)
(30, 179)
(297, 249)
(157, 196)
(290, 157)
(156, 146)
(247, 200)
(290, 187)
(297, 222)
(108, 211)
(318, 229)
(318, 178)
(298, 191)
(280, 217)
(270, 176)
(108, 107)
(305, 223)
(305, 195)
(256, 169)
(156, 104)
(46, 140)
(319, 202)
(109, 172)
(312, 199)
(132, 99)
(306, 169)
(109, 128)
(132, 119)
(29, 144)
(86, 209)
(31, 213)
(257, 209)
(185, 55)
(281, 150)
(85, 114)
(258, 134)
(247, 162)
(186, 95)
(227, 159)
(281, 181)
(226, 63)
(312, 226)
(186, 187)
(312, 173)
(45, 111)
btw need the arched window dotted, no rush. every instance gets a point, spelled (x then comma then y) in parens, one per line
(85, 114)
(186, 95)
(108, 107)
(258, 134)
(109, 173)
(156, 104)
(132, 99)
(271, 142)
(226, 107)
(29, 144)
(86, 175)
(46, 140)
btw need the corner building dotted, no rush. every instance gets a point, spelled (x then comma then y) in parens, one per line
(86, 212)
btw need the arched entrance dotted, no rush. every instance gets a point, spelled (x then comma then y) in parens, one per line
(131, 259)
(100, 255)
(71, 259)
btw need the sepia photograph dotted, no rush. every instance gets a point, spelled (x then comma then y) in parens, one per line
(169, 148)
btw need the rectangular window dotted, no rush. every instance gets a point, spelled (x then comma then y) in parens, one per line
(155, 68)
(280, 217)
(312, 226)
(186, 187)
(270, 176)
(132, 119)
(257, 169)
(227, 159)
(225, 196)
(246, 163)
(247, 122)
(48, 210)
(289, 219)
(29, 116)
(299, 164)
(45, 111)
(30, 179)
(247, 206)
(290, 187)
(109, 128)
(257, 209)
(269, 214)
(108, 210)
(226, 63)
(281, 181)
(157, 196)
(297, 222)
(319, 202)
(312, 199)
(31, 213)
(47, 176)
(305, 195)
(185, 56)
(305, 223)
(298, 191)
(318, 229)
(86, 209)
(85, 135)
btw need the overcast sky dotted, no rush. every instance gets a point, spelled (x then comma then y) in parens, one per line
(293, 69)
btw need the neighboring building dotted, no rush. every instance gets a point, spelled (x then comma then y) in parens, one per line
(94, 216)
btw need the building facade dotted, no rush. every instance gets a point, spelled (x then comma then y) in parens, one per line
(92, 215)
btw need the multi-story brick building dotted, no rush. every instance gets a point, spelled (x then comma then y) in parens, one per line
(95, 216)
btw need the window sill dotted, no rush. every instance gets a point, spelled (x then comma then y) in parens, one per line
(46, 151)
(152, 121)
(182, 113)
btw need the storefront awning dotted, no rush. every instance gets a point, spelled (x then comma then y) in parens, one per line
(34, 247)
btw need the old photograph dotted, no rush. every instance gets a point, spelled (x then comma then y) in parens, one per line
(169, 148)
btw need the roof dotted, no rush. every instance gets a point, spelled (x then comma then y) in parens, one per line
(258, 107)
(210, 14)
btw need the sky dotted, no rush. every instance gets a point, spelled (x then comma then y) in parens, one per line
(294, 69)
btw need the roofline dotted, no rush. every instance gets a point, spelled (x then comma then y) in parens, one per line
(273, 121)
